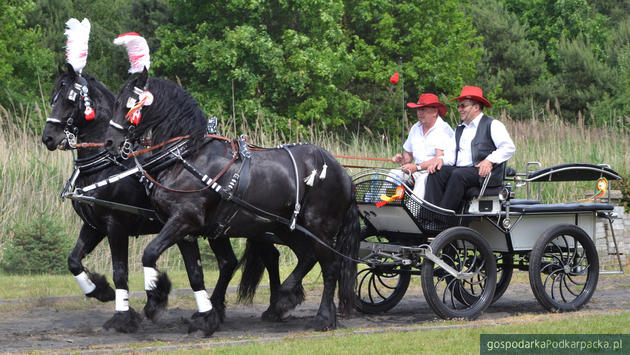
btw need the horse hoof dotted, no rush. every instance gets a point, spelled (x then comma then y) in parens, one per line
(124, 322)
(207, 322)
(270, 316)
(321, 324)
(103, 291)
(287, 301)
(157, 298)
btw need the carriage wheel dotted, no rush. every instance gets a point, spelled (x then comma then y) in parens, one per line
(464, 250)
(381, 285)
(564, 268)
(505, 269)
(504, 276)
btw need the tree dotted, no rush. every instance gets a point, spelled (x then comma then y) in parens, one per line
(435, 41)
(512, 67)
(24, 62)
(323, 62)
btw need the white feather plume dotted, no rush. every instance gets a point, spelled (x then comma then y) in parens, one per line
(137, 50)
(78, 35)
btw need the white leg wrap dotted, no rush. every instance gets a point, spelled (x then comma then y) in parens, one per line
(85, 283)
(150, 278)
(203, 302)
(122, 300)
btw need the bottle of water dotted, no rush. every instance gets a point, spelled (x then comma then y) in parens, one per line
(372, 195)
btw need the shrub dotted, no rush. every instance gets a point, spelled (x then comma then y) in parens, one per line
(37, 247)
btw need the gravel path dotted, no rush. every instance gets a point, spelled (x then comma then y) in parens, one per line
(60, 324)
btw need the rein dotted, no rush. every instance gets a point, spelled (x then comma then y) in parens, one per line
(208, 185)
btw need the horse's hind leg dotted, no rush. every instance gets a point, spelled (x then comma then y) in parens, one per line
(125, 319)
(206, 318)
(291, 293)
(227, 265)
(92, 284)
(326, 318)
(258, 256)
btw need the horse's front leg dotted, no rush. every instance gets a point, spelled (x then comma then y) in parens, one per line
(93, 285)
(206, 318)
(125, 319)
(227, 265)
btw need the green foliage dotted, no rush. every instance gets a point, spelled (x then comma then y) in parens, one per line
(37, 247)
(434, 40)
(323, 65)
(24, 62)
(512, 66)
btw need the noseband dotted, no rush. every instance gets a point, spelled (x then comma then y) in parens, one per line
(79, 88)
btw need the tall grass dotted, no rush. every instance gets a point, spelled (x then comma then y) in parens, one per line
(31, 177)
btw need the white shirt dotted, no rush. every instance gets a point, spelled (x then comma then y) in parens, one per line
(500, 138)
(423, 146)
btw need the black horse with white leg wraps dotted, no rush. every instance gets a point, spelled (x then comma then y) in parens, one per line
(264, 193)
(67, 125)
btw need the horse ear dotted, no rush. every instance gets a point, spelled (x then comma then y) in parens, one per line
(144, 77)
(71, 70)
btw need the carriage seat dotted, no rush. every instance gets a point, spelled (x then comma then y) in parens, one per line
(560, 207)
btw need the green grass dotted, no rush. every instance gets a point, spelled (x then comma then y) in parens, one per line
(448, 338)
(35, 286)
(31, 177)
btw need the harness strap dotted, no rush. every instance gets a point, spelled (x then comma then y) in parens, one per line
(236, 187)
(191, 168)
(297, 208)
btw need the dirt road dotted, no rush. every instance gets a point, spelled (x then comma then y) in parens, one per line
(75, 324)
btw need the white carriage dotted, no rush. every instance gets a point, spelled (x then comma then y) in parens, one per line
(466, 258)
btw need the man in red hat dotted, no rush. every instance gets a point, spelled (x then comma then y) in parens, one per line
(426, 143)
(482, 146)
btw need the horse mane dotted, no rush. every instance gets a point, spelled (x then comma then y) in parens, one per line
(173, 113)
(104, 90)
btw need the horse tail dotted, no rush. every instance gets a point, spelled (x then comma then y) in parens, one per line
(252, 267)
(348, 245)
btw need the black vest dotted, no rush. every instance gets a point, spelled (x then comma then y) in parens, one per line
(481, 146)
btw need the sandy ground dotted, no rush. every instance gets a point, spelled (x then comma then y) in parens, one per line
(74, 324)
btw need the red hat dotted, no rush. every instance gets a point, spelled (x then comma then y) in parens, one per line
(429, 100)
(473, 93)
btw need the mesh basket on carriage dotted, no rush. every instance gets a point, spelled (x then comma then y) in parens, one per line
(370, 186)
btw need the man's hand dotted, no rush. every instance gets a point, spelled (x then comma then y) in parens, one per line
(484, 167)
(411, 167)
(434, 165)
(398, 159)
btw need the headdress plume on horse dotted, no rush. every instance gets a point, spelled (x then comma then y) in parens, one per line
(78, 35)
(137, 50)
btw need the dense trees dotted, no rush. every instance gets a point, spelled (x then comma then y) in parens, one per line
(326, 63)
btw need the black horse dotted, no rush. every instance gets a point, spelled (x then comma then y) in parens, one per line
(68, 124)
(328, 209)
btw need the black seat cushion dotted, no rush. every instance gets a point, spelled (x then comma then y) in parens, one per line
(561, 207)
(473, 192)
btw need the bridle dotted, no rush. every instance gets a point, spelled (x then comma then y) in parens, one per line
(78, 89)
(142, 98)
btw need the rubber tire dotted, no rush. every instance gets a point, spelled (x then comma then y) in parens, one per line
(394, 297)
(538, 288)
(503, 277)
(428, 288)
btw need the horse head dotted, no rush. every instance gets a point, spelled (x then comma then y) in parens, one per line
(153, 105)
(77, 102)
(124, 126)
